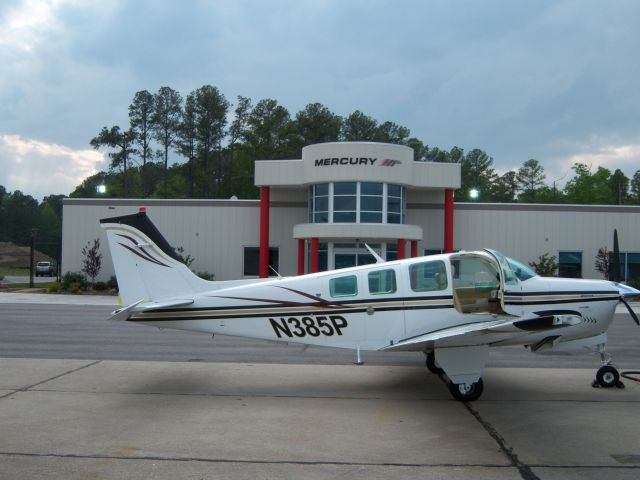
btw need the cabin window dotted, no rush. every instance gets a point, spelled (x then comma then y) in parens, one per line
(428, 276)
(382, 281)
(570, 264)
(343, 286)
(251, 261)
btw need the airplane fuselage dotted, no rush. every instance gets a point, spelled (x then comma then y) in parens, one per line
(360, 312)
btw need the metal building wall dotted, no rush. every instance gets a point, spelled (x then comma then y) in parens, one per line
(214, 231)
(525, 232)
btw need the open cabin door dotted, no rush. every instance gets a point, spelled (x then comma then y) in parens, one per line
(477, 284)
(509, 283)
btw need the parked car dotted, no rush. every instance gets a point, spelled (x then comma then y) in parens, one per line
(45, 269)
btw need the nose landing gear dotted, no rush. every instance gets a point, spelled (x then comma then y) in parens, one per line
(607, 375)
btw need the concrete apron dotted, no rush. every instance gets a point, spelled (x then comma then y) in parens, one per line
(171, 420)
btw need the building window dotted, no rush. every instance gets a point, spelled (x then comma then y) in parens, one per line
(428, 276)
(371, 202)
(356, 202)
(629, 265)
(432, 251)
(382, 281)
(352, 254)
(395, 204)
(319, 203)
(392, 251)
(345, 199)
(251, 262)
(323, 255)
(343, 286)
(570, 264)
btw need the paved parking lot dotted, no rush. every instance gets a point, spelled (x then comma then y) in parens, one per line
(115, 419)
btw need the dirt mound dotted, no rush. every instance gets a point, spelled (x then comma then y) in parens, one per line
(12, 255)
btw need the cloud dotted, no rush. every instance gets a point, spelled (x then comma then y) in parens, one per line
(38, 168)
(24, 27)
(517, 80)
(611, 153)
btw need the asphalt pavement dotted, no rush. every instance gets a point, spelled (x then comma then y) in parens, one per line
(75, 326)
(80, 397)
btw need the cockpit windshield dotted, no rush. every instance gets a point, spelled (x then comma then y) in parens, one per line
(519, 270)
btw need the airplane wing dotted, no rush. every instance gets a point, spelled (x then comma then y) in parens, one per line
(485, 333)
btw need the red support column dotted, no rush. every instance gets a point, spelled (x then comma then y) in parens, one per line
(301, 242)
(400, 248)
(264, 232)
(414, 248)
(448, 220)
(315, 247)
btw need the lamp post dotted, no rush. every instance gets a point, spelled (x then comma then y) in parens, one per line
(474, 194)
(32, 245)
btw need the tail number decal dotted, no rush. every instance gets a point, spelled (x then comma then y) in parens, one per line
(312, 326)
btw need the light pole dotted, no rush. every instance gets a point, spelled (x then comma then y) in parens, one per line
(32, 245)
(474, 194)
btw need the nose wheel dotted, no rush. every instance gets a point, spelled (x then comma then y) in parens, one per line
(607, 375)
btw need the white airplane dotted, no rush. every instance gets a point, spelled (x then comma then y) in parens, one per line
(452, 307)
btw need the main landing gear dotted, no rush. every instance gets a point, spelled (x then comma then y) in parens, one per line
(607, 375)
(466, 392)
(432, 365)
(463, 392)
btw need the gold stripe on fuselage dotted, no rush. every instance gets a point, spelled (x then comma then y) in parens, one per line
(281, 311)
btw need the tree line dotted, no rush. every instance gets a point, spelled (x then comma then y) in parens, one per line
(202, 146)
(21, 216)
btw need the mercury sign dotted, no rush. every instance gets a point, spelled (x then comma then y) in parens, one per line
(326, 162)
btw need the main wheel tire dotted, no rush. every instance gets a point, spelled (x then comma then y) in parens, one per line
(431, 364)
(466, 393)
(607, 376)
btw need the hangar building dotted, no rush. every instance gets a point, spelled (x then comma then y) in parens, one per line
(317, 212)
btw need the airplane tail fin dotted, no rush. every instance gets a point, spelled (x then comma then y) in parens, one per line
(146, 266)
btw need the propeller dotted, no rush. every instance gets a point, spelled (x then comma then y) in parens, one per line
(614, 275)
(631, 312)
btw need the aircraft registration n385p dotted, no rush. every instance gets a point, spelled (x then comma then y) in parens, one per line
(452, 307)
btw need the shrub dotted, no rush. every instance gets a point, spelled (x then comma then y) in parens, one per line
(100, 286)
(92, 262)
(112, 283)
(54, 287)
(75, 287)
(206, 275)
(635, 283)
(546, 265)
(75, 279)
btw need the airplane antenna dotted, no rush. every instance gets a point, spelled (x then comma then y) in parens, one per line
(375, 255)
(275, 271)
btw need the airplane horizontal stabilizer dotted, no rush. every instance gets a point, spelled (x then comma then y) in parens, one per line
(124, 313)
(484, 333)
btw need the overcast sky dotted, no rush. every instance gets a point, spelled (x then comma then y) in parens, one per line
(557, 81)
